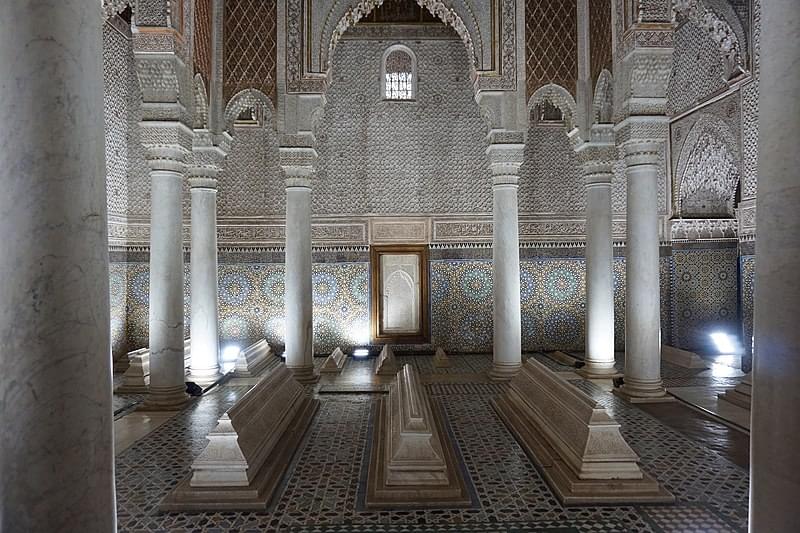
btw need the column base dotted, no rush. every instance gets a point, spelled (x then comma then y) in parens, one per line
(503, 372)
(204, 379)
(165, 399)
(304, 374)
(590, 371)
(633, 394)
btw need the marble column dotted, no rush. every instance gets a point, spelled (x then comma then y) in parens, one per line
(167, 372)
(599, 272)
(204, 305)
(299, 308)
(642, 297)
(56, 439)
(505, 160)
(775, 426)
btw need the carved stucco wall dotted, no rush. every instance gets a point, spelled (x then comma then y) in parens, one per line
(550, 178)
(127, 176)
(425, 156)
(698, 70)
(251, 183)
(711, 35)
(117, 75)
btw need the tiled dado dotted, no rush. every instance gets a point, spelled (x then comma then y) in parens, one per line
(704, 295)
(553, 300)
(251, 303)
(698, 294)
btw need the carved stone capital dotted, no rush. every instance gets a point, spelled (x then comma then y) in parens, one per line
(202, 182)
(166, 157)
(209, 152)
(639, 153)
(506, 153)
(297, 182)
(598, 173)
(297, 163)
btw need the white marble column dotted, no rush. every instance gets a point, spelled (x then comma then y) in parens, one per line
(599, 272)
(204, 305)
(642, 298)
(56, 440)
(167, 373)
(299, 305)
(775, 426)
(505, 160)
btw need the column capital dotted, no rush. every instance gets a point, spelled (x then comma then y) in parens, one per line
(297, 160)
(643, 152)
(598, 173)
(166, 158)
(297, 182)
(200, 182)
(167, 144)
(506, 152)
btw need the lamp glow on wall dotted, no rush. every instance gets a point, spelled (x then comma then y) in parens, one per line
(723, 342)
(359, 333)
(229, 355)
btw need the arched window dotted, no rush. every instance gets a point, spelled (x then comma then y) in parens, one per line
(399, 73)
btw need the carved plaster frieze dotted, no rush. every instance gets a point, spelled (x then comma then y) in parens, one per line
(399, 230)
(746, 215)
(340, 233)
(462, 230)
(703, 229)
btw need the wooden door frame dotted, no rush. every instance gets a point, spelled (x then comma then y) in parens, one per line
(376, 306)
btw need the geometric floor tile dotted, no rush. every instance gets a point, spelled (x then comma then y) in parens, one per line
(320, 490)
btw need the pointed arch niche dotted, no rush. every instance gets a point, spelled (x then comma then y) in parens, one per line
(400, 296)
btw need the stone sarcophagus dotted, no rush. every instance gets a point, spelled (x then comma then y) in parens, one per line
(249, 450)
(683, 358)
(413, 462)
(334, 363)
(573, 440)
(254, 359)
(387, 364)
(136, 379)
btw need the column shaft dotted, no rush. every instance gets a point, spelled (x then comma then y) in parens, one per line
(599, 274)
(643, 300)
(56, 442)
(204, 305)
(775, 427)
(299, 337)
(505, 282)
(167, 372)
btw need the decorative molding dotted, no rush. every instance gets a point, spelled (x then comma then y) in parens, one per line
(689, 229)
(399, 230)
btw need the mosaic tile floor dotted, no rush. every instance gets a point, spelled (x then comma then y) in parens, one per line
(321, 487)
